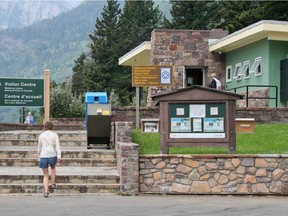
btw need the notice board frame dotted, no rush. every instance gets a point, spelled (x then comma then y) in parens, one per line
(198, 95)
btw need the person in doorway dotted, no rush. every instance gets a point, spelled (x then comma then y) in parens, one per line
(49, 153)
(214, 82)
(29, 119)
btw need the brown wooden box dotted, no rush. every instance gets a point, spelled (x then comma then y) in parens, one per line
(244, 125)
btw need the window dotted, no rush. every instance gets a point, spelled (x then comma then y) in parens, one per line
(257, 67)
(245, 69)
(228, 73)
(237, 74)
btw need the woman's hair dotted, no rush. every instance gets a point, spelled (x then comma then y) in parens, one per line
(48, 125)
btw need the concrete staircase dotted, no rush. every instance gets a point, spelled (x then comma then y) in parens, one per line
(81, 171)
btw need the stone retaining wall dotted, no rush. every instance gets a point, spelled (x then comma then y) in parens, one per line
(214, 174)
(264, 115)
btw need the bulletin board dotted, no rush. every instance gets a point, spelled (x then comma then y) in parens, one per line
(203, 120)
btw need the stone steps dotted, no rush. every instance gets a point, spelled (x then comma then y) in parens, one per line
(79, 175)
(30, 162)
(67, 152)
(34, 142)
(82, 170)
(61, 188)
(63, 135)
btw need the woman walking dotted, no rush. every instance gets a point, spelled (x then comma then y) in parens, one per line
(49, 153)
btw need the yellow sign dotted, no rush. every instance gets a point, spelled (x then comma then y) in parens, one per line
(153, 75)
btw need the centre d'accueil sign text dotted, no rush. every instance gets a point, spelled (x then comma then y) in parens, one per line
(21, 92)
(153, 75)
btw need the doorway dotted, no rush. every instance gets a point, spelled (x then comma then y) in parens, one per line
(193, 76)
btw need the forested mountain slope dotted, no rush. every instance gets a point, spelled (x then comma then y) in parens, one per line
(52, 43)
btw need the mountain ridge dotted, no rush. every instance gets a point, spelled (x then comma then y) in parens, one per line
(19, 14)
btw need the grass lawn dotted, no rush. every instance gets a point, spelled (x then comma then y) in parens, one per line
(267, 139)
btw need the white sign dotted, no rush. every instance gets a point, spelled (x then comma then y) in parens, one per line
(197, 135)
(214, 111)
(180, 111)
(198, 111)
(165, 75)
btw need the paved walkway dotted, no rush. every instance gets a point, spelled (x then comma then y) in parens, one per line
(109, 205)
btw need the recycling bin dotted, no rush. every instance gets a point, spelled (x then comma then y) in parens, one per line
(98, 119)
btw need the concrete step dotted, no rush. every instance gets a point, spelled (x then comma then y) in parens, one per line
(62, 189)
(34, 142)
(75, 162)
(67, 152)
(78, 175)
(30, 135)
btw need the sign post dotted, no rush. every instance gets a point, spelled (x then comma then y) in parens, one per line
(47, 95)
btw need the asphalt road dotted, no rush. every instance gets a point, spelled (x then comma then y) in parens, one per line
(104, 205)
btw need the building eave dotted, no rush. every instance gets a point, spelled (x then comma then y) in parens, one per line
(265, 29)
(140, 55)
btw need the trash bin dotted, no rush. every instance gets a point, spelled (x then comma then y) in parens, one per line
(98, 119)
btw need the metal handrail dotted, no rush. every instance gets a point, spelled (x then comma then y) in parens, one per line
(253, 86)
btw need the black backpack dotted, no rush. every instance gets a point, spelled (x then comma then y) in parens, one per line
(213, 84)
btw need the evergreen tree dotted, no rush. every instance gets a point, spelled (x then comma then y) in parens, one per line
(229, 15)
(104, 39)
(114, 36)
(78, 76)
(235, 15)
(196, 15)
(138, 20)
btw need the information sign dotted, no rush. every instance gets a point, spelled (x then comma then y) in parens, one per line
(21, 92)
(153, 75)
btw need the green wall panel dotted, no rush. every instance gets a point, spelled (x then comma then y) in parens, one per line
(271, 53)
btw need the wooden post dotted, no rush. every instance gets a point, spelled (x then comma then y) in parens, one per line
(46, 95)
(164, 128)
(231, 114)
(137, 106)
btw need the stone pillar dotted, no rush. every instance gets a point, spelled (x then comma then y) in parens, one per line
(123, 131)
(128, 167)
(127, 154)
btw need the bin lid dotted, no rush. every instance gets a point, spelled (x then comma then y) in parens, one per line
(96, 97)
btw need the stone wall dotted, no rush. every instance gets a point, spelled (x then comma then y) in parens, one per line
(214, 174)
(185, 48)
(255, 102)
(264, 115)
(128, 114)
(198, 174)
